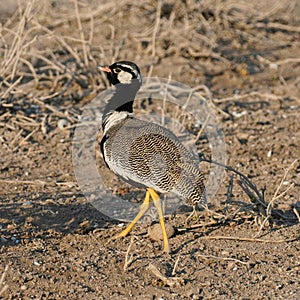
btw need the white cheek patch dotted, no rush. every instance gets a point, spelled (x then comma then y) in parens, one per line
(124, 77)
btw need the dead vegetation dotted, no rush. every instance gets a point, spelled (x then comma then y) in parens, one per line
(242, 57)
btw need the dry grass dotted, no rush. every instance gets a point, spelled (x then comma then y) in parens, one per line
(50, 53)
(45, 46)
(3, 286)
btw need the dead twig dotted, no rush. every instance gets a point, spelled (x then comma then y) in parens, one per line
(84, 48)
(27, 137)
(225, 258)
(252, 94)
(33, 182)
(248, 186)
(53, 110)
(175, 265)
(296, 213)
(156, 27)
(17, 46)
(61, 40)
(276, 196)
(129, 258)
(256, 197)
(229, 189)
(195, 226)
(201, 130)
(4, 286)
(11, 144)
(11, 87)
(169, 281)
(245, 239)
(278, 26)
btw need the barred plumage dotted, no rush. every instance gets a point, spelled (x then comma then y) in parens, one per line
(148, 155)
(145, 154)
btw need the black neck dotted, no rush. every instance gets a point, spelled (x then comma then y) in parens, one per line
(122, 99)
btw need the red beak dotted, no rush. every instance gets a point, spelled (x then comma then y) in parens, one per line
(105, 69)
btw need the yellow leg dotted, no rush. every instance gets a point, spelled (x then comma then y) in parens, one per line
(157, 204)
(144, 207)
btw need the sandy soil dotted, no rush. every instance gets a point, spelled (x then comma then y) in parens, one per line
(56, 245)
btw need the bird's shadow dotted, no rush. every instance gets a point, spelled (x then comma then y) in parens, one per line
(47, 215)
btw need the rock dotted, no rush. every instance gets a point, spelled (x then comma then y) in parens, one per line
(63, 123)
(155, 232)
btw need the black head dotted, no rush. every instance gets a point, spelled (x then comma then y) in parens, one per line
(123, 72)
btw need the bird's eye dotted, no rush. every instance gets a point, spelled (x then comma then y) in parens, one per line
(117, 70)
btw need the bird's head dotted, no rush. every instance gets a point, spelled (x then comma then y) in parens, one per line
(123, 72)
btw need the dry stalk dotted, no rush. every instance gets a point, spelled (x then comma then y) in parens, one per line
(15, 49)
(156, 27)
(11, 87)
(84, 48)
(56, 65)
(199, 225)
(201, 130)
(129, 258)
(175, 265)
(101, 9)
(249, 95)
(61, 40)
(254, 240)
(257, 197)
(229, 189)
(224, 258)
(165, 92)
(13, 141)
(296, 213)
(249, 187)
(276, 196)
(169, 281)
(120, 46)
(272, 25)
(52, 109)
(277, 63)
(22, 182)
(3, 287)
(6, 115)
(26, 138)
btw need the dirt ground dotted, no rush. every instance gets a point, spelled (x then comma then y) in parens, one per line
(243, 56)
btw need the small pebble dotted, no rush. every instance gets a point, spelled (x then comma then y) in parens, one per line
(269, 154)
(85, 224)
(155, 232)
(63, 123)
(11, 226)
(15, 240)
(27, 204)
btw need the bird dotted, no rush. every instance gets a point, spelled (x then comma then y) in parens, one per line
(145, 154)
